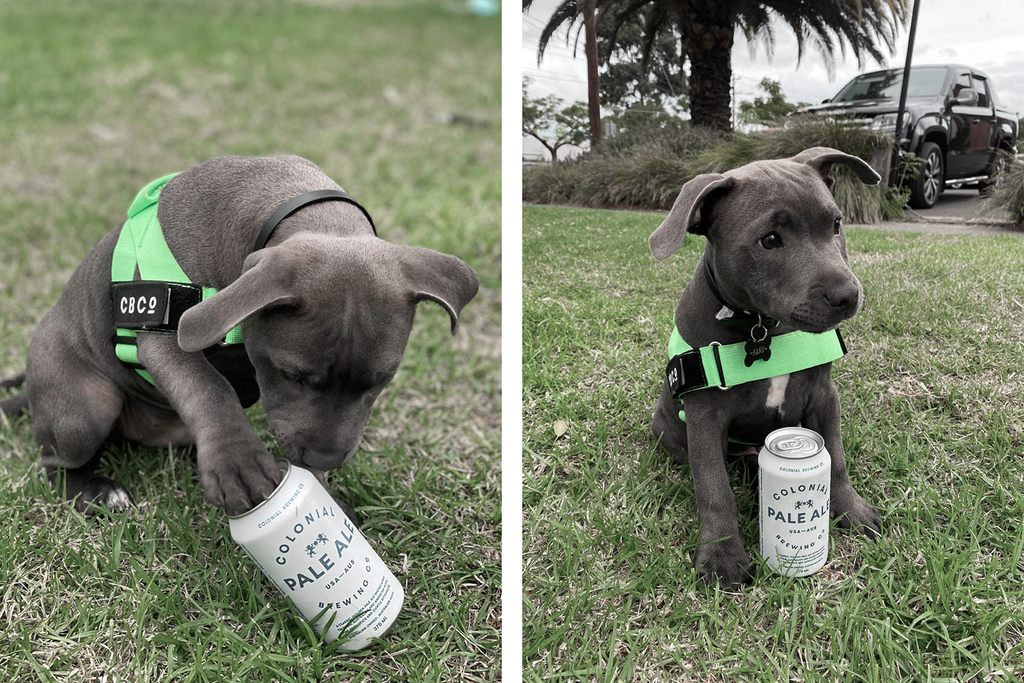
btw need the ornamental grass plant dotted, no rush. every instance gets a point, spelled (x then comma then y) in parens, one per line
(1009, 194)
(645, 170)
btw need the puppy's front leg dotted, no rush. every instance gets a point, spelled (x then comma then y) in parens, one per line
(235, 469)
(847, 506)
(720, 557)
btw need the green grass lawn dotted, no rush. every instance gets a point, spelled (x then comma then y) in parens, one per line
(399, 102)
(933, 426)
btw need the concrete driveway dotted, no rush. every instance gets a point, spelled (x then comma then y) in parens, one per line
(958, 212)
(961, 204)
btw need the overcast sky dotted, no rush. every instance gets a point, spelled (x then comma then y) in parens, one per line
(984, 34)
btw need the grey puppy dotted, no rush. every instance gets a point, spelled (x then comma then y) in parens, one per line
(325, 310)
(775, 250)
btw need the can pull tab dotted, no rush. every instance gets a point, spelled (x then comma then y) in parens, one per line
(797, 444)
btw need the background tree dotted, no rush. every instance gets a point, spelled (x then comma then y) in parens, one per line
(708, 29)
(569, 12)
(627, 81)
(767, 110)
(553, 124)
(648, 117)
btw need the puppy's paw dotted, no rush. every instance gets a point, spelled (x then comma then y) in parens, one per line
(238, 479)
(97, 492)
(853, 512)
(724, 563)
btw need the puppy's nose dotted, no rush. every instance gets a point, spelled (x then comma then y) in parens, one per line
(325, 459)
(844, 296)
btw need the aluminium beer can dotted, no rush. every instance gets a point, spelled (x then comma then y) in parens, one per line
(315, 555)
(794, 474)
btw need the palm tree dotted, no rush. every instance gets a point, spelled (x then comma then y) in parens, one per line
(708, 28)
(569, 12)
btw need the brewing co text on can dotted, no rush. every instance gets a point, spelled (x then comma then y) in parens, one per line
(794, 475)
(315, 555)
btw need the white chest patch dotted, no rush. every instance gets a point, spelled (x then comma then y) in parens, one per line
(777, 392)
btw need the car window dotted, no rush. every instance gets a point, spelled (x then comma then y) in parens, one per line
(962, 81)
(981, 85)
(926, 82)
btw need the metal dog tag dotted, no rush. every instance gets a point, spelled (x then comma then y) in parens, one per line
(757, 350)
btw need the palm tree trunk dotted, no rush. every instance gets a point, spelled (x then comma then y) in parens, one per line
(593, 83)
(708, 30)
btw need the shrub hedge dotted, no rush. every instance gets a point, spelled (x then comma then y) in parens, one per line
(1009, 195)
(645, 170)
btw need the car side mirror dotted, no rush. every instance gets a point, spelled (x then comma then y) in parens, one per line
(968, 97)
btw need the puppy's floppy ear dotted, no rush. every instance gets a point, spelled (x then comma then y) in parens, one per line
(685, 213)
(822, 158)
(437, 277)
(265, 281)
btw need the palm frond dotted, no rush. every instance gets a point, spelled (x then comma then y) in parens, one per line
(656, 23)
(565, 13)
(622, 16)
(755, 23)
(864, 27)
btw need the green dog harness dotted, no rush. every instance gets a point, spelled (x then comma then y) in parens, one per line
(760, 357)
(728, 365)
(156, 301)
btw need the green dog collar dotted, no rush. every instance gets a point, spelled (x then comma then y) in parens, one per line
(728, 365)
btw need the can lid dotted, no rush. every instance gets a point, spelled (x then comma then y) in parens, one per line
(286, 468)
(794, 442)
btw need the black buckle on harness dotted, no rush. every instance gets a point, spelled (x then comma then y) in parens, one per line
(152, 305)
(685, 372)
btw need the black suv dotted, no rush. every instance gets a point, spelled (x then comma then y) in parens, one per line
(952, 120)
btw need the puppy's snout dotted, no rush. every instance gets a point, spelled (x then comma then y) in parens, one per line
(330, 453)
(844, 297)
(325, 460)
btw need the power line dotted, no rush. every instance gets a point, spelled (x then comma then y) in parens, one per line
(559, 32)
(535, 22)
(562, 31)
(535, 74)
(555, 50)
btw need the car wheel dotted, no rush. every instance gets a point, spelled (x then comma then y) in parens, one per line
(996, 177)
(927, 186)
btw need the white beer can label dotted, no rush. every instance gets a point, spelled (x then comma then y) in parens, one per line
(315, 555)
(793, 492)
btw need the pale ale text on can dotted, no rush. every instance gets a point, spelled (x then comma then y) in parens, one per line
(315, 555)
(794, 473)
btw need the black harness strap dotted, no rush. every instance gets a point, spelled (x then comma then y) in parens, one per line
(293, 205)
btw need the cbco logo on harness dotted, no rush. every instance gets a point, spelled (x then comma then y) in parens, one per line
(139, 305)
(130, 304)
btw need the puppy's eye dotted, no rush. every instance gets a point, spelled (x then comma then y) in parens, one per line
(770, 241)
(294, 377)
(837, 227)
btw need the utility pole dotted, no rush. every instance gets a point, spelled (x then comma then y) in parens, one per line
(903, 96)
(594, 90)
(733, 89)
